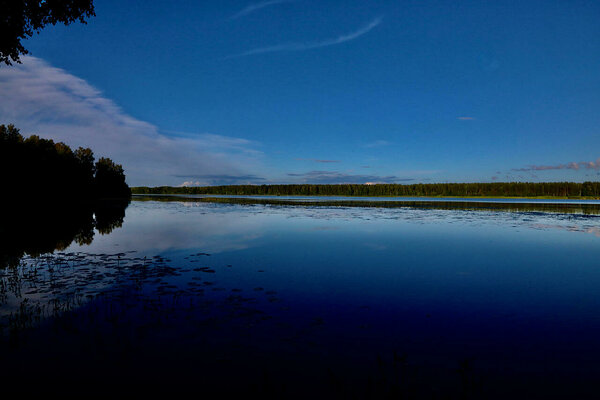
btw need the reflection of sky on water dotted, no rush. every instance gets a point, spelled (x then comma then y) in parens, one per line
(166, 226)
(509, 262)
(160, 227)
(509, 289)
(593, 230)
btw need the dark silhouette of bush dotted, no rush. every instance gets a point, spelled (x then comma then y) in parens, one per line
(109, 180)
(44, 228)
(19, 19)
(35, 167)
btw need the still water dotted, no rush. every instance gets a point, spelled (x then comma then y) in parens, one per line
(328, 301)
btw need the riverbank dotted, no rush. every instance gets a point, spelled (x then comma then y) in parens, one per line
(565, 207)
(585, 198)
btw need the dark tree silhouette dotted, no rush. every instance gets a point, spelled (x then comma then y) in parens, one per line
(33, 167)
(53, 195)
(20, 19)
(49, 227)
(110, 179)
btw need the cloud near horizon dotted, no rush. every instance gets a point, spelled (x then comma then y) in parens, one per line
(50, 102)
(312, 45)
(333, 177)
(571, 165)
(216, 180)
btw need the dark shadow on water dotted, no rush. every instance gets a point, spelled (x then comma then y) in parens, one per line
(36, 228)
(130, 327)
(121, 323)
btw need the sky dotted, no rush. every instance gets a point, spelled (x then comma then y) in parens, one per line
(308, 91)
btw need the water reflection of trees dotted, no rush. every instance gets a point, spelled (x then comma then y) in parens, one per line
(36, 229)
(529, 207)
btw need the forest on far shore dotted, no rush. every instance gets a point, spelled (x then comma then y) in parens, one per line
(494, 189)
(34, 167)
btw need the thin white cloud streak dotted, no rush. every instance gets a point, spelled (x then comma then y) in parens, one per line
(257, 6)
(314, 45)
(54, 104)
(212, 141)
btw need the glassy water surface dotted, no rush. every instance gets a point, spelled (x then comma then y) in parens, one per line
(287, 301)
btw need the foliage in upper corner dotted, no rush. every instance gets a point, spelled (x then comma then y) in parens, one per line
(20, 19)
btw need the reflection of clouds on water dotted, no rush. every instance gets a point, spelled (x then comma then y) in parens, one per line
(153, 226)
(594, 230)
(313, 280)
(156, 227)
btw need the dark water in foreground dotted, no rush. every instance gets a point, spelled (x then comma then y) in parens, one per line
(297, 301)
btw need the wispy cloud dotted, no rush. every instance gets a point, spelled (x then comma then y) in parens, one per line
(210, 180)
(189, 183)
(257, 6)
(466, 118)
(341, 177)
(312, 45)
(571, 165)
(52, 103)
(216, 142)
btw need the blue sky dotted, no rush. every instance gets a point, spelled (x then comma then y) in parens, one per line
(223, 92)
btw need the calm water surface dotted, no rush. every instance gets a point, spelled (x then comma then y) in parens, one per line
(289, 301)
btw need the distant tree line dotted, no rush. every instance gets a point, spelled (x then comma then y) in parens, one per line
(53, 171)
(495, 189)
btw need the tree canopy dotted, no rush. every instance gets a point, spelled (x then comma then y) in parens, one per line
(494, 189)
(34, 166)
(20, 19)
